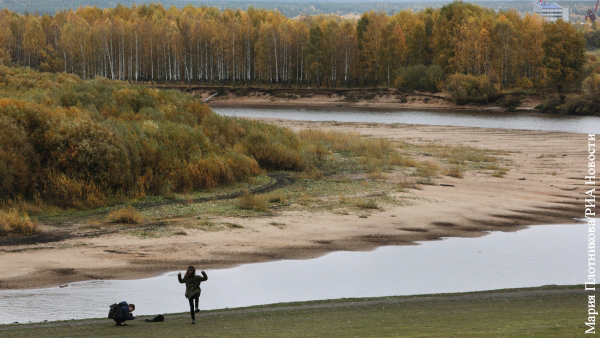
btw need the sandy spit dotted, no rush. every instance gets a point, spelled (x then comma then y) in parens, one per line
(543, 186)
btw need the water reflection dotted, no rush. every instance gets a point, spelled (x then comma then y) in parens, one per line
(571, 124)
(553, 254)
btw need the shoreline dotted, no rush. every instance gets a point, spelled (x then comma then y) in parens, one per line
(540, 188)
(504, 309)
(368, 106)
(348, 98)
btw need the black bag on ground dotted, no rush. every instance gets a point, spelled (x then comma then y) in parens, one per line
(159, 318)
(114, 311)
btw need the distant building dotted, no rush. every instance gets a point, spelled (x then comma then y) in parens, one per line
(551, 12)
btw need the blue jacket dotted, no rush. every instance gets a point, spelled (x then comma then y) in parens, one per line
(124, 313)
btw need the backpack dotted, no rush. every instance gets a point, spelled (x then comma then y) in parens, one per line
(114, 311)
(159, 318)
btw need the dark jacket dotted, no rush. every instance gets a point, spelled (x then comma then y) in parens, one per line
(124, 313)
(192, 284)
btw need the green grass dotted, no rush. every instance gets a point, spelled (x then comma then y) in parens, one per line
(489, 314)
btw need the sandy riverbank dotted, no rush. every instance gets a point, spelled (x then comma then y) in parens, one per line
(371, 98)
(543, 186)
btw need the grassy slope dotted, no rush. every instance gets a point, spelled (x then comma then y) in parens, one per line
(541, 313)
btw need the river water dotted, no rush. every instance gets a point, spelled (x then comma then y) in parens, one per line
(536, 256)
(529, 121)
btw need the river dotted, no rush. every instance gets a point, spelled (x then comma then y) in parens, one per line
(536, 256)
(483, 119)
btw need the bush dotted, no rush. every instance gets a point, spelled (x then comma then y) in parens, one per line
(83, 143)
(454, 171)
(420, 77)
(433, 78)
(410, 77)
(572, 105)
(242, 91)
(17, 158)
(591, 87)
(470, 88)
(126, 215)
(510, 102)
(13, 222)
(549, 105)
(252, 202)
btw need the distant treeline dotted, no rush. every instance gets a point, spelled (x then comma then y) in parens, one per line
(290, 9)
(204, 45)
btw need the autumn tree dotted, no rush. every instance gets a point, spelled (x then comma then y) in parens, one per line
(564, 54)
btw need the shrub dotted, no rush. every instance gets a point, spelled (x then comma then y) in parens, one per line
(68, 192)
(17, 157)
(277, 197)
(572, 105)
(410, 77)
(126, 215)
(14, 222)
(470, 88)
(433, 78)
(549, 105)
(406, 184)
(591, 87)
(420, 77)
(242, 91)
(364, 203)
(427, 169)
(454, 171)
(250, 201)
(83, 143)
(510, 102)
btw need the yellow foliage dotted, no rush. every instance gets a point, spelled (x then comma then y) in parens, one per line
(253, 202)
(14, 222)
(126, 215)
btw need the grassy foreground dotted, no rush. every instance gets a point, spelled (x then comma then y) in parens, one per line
(557, 311)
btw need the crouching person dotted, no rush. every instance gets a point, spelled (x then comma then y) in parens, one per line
(124, 314)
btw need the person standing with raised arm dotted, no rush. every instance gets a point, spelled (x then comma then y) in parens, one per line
(192, 288)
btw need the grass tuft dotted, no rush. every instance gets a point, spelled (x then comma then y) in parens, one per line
(13, 222)
(365, 203)
(252, 202)
(427, 169)
(406, 184)
(454, 171)
(127, 215)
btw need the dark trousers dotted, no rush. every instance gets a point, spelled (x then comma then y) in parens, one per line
(195, 298)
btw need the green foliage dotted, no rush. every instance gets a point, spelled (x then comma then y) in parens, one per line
(571, 105)
(470, 88)
(511, 102)
(420, 77)
(592, 39)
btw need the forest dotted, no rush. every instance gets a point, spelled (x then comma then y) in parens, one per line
(207, 46)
